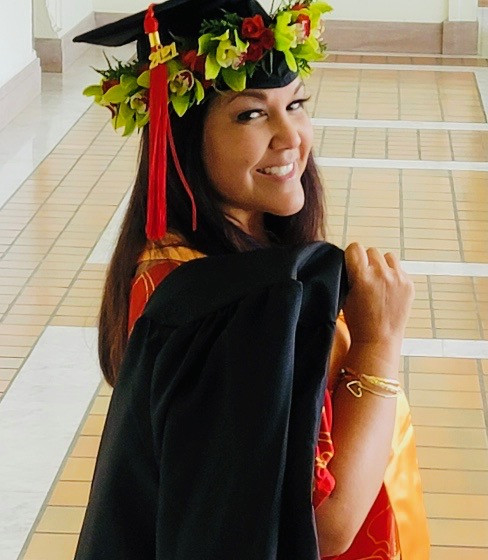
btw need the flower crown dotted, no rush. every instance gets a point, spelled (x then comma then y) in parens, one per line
(229, 51)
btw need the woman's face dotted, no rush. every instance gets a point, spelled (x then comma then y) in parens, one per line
(255, 149)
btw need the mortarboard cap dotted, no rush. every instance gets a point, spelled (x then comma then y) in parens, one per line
(189, 46)
(183, 18)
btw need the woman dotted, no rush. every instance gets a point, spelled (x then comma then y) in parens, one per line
(246, 156)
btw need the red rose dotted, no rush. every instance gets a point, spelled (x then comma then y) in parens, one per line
(193, 61)
(108, 84)
(266, 39)
(252, 27)
(254, 52)
(299, 6)
(302, 18)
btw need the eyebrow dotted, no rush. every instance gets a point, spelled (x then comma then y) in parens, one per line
(256, 94)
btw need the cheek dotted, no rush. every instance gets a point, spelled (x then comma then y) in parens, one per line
(307, 136)
(230, 155)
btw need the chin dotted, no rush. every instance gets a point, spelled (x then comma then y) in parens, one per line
(289, 207)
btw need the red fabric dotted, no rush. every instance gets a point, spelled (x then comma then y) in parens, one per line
(151, 23)
(377, 537)
(144, 285)
(158, 130)
(158, 127)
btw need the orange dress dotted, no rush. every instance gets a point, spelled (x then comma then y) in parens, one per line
(395, 527)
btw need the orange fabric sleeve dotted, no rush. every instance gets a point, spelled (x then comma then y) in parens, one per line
(144, 285)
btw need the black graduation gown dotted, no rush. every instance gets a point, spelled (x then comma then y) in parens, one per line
(209, 445)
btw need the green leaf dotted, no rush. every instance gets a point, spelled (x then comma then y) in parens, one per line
(173, 67)
(180, 103)
(144, 80)
(290, 60)
(93, 90)
(321, 7)
(241, 45)
(212, 67)
(128, 83)
(118, 122)
(130, 126)
(142, 119)
(126, 112)
(235, 79)
(205, 43)
(199, 91)
(115, 95)
(224, 37)
(309, 51)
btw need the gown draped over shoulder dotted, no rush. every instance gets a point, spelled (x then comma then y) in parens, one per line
(396, 526)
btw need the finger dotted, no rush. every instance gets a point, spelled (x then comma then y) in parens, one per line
(356, 257)
(375, 258)
(393, 261)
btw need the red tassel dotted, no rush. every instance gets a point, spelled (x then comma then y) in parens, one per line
(159, 132)
(158, 118)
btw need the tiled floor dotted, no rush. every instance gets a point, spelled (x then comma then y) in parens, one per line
(57, 221)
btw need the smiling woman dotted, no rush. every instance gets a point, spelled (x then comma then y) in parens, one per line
(256, 146)
(218, 322)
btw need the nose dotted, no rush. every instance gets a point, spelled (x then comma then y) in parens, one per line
(286, 133)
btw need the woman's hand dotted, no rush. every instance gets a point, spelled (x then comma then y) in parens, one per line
(376, 309)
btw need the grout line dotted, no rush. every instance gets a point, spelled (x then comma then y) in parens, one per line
(401, 216)
(451, 145)
(434, 268)
(425, 165)
(395, 67)
(445, 348)
(406, 377)
(456, 217)
(42, 409)
(345, 223)
(11, 194)
(415, 125)
(484, 396)
(61, 468)
(431, 305)
(439, 99)
(47, 252)
(481, 79)
(408, 55)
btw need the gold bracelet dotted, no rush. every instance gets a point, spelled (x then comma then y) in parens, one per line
(380, 386)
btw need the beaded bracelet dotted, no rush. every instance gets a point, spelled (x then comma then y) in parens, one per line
(381, 386)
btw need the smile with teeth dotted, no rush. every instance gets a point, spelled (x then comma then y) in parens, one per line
(278, 171)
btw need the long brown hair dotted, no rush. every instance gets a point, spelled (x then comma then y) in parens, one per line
(215, 233)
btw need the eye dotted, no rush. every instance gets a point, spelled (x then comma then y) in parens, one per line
(250, 115)
(298, 104)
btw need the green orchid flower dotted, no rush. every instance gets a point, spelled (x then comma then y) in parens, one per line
(95, 91)
(182, 82)
(286, 39)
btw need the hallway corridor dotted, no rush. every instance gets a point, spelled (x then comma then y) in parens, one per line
(402, 142)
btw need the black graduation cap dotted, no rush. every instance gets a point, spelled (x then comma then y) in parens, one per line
(183, 18)
(172, 20)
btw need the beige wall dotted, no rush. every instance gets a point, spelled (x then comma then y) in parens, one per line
(16, 39)
(430, 11)
(55, 18)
